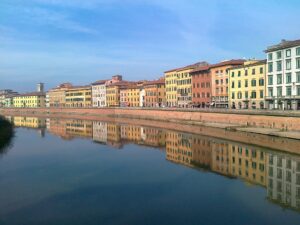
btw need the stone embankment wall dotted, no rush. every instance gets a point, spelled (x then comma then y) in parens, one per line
(276, 120)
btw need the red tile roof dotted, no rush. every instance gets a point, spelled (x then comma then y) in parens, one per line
(232, 62)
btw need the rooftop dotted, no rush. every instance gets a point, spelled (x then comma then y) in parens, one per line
(201, 69)
(31, 94)
(250, 64)
(232, 62)
(192, 66)
(283, 45)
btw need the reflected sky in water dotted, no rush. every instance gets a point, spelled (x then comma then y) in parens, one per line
(68, 171)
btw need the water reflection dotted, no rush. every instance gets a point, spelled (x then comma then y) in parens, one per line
(278, 172)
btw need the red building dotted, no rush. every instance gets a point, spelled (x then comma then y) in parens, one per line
(201, 87)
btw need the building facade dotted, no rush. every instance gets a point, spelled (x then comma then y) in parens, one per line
(6, 97)
(79, 97)
(142, 96)
(113, 93)
(220, 80)
(99, 90)
(57, 96)
(283, 75)
(247, 85)
(30, 100)
(171, 87)
(184, 84)
(201, 87)
(155, 95)
(284, 180)
(130, 96)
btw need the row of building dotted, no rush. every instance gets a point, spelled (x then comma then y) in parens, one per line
(273, 83)
(278, 172)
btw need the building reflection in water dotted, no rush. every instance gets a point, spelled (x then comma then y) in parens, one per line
(278, 172)
(29, 122)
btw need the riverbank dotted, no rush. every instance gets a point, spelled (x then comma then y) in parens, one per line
(277, 123)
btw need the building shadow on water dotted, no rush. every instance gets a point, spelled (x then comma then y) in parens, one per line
(6, 135)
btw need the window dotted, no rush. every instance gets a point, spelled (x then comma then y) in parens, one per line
(253, 71)
(270, 67)
(239, 84)
(298, 63)
(288, 78)
(288, 91)
(298, 90)
(261, 94)
(298, 77)
(253, 94)
(288, 64)
(239, 73)
(270, 80)
(240, 95)
(298, 51)
(270, 56)
(261, 82)
(288, 53)
(232, 84)
(232, 95)
(270, 90)
(232, 74)
(246, 83)
(246, 72)
(279, 78)
(278, 54)
(279, 91)
(261, 70)
(253, 83)
(246, 94)
(279, 66)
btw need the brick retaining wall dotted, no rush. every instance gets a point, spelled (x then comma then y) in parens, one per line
(239, 119)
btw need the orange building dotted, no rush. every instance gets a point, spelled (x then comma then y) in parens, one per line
(220, 80)
(155, 94)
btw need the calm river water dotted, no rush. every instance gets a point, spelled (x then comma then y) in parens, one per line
(70, 171)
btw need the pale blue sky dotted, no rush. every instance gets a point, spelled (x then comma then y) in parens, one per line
(55, 41)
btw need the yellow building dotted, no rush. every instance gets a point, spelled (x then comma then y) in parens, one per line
(79, 96)
(249, 164)
(114, 135)
(79, 128)
(220, 158)
(131, 133)
(57, 96)
(30, 122)
(184, 84)
(179, 148)
(247, 85)
(30, 100)
(113, 93)
(130, 96)
(171, 87)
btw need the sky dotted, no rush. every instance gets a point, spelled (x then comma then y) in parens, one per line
(81, 41)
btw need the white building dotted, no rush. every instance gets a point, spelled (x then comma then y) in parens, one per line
(142, 97)
(100, 132)
(284, 180)
(47, 100)
(283, 75)
(99, 91)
